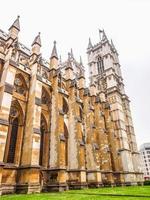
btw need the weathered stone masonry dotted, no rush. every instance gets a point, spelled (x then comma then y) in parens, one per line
(55, 133)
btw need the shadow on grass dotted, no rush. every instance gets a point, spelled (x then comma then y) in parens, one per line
(113, 195)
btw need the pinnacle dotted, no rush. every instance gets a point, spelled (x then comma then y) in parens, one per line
(90, 44)
(37, 40)
(16, 24)
(71, 53)
(80, 60)
(104, 37)
(54, 51)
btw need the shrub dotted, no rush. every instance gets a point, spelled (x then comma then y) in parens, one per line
(147, 182)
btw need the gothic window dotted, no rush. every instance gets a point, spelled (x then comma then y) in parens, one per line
(42, 142)
(83, 139)
(104, 84)
(39, 69)
(100, 65)
(19, 86)
(45, 97)
(44, 74)
(1, 69)
(2, 46)
(15, 122)
(65, 106)
(66, 144)
(13, 139)
(14, 54)
(64, 86)
(24, 60)
(105, 124)
(59, 80)
(81, 113)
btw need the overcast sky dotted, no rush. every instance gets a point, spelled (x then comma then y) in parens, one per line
(72, 22)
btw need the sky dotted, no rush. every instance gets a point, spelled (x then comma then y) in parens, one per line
(72, 22)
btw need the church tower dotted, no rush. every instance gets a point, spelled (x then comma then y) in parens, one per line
(105, 73)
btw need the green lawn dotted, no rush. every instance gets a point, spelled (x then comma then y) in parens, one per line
(116, 193)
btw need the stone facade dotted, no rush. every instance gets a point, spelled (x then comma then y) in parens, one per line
(55, 133)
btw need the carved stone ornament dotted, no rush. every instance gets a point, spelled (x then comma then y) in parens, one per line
(45, 98)
(19, 86)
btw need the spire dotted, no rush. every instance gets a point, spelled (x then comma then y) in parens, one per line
(81, 61)
(90, 44)
(104, 37)
(112, 44)
(16, 24)
(100, 34)
(69, 69)
(69, 60)
(60, 61)
(71, 53)
(69, 56)
(37, 40)
(54, 51)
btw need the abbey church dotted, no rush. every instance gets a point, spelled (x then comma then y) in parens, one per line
(55, 132)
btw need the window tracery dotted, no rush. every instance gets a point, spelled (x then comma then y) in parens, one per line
(43, 127)
(65, 106)
(44, 74)
(19, 86)
(15, 120)
(100, 65)
(45, 98)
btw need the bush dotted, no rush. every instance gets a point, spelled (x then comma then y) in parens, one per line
(147, 182)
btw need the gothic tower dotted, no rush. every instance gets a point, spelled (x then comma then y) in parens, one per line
(105, 73)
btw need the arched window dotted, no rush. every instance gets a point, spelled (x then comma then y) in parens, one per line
(20, 85)
(15, 128)
(66, 144)
(43, 137)
(81, 113)
(13, 140)
(65, 106)
(44, 73)
(100, 65)
(1, 68)
(59, 80)
(46, 99)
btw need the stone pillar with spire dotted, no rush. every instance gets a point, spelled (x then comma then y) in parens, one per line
(8, 59)
(31, 143)
(76, 143)
(81, 78)
(57, 164)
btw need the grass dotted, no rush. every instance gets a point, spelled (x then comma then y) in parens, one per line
(116, 193)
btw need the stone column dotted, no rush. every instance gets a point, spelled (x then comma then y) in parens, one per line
(118, 116)
(132, 142)
(76, 168)
(28, 175)
(6, 90)
(57, 170)
(92, 147)
(115, 177)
